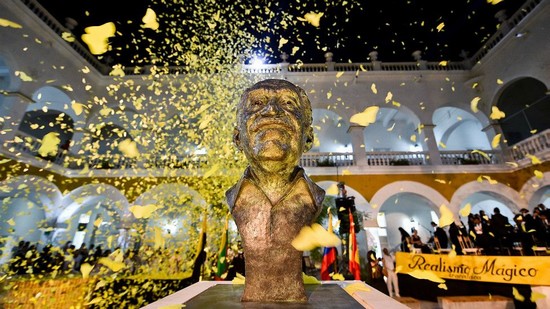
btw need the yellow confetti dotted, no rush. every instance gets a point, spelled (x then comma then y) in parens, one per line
(496, 141)
(311, 237)
(537, 296)
(239, 279)
(496, 113)
(499, 81)
(50, 144)
(338, 277)
(441, 181)
(443, 63)
(78, 108)
(373, 88)
(332, 190)
(143, 211)
(446, 217)
(150, 20)
(129, 148)
(539, 174)
(11, 24)
(67, 36)
(85, 269)
(97, 37)
(440, 27)
(366, 117)
(494, 2)
(466, 210)
(474, 103)
(309, 279)
(426, 274)
(23, 76)
(346, 172)
(534, 160)
(517, 295)
(389, 97)
(356, 287)
(339, 74)
(313, 18)
(11, 222)
(413, 138)
(98, 222)
(112, 265)
(442, 145)
(394, 103)
(490, 180)
(486, 156)
(282, 42)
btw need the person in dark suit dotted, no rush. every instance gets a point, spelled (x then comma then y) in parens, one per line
(441, 235)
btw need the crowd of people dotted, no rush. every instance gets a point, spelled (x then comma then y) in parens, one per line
(493, 235)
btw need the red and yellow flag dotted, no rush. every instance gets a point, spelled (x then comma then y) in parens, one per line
(354, 267)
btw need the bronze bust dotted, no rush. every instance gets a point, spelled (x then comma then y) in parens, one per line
(274, 198)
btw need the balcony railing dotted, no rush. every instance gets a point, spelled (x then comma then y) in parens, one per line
(27, 146)
(535, 145)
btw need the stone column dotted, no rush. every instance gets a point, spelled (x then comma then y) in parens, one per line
(429, 141)
(357, 144)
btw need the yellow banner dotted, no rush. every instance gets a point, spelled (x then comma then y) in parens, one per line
(532, 270)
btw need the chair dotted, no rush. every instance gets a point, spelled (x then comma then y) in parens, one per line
(438, 248)
(467, 246)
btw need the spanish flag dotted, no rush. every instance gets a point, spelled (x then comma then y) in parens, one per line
(328, 265)
(222, 253)
(354, 267)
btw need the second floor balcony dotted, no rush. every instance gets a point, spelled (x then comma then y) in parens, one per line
(536, 148)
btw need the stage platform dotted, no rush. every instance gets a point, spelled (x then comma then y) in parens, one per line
(328, 294)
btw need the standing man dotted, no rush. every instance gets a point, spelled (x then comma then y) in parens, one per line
(441, 235)
(274, 198)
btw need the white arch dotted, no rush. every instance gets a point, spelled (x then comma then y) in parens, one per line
(497, 190)
(396, 187)
(529, 190)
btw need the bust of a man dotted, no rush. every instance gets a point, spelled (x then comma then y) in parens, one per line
(274, 198)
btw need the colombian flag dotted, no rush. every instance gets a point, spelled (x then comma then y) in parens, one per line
(330, 255)
(353, 251)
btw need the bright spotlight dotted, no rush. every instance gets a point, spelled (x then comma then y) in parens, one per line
(257, 62)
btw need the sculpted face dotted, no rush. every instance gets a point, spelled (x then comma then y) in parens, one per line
(274, 123)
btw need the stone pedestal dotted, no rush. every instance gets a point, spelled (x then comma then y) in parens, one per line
(328, 294)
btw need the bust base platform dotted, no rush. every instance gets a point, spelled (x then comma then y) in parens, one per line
(328, 294)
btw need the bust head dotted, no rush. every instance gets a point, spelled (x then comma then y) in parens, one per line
(274, 124)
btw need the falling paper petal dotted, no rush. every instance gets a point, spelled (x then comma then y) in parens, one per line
(129, 148)
(426, 274)
(440, 27)
(537, 296)
(150, 20)
(517, 295)
(24, 77)
(447, 216)
(312, 18)
(309, 279)
(332, 190)
(539, 174)
(356, 287)
(534, 160)
(338, 277)
(442, 286)
(7, 23)
(311, 237)
(367, 117)
(97, 37)
(466, 210)
(112, 265)
(143, 211)
(11, 222)
(85, 269)
(496, 113)
(473, 104)
(50, 144)
(373, 88)
(496, 141)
